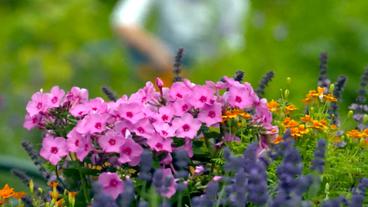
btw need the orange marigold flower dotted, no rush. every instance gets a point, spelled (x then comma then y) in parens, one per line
(277, 140)
(6, 192)
(365, 133)
(319, 124)
(288, 122)
(354, 134)
(273, 105)
(290, 108)
(330, 98)
(19, 195)
(231, 114)
(306, 118)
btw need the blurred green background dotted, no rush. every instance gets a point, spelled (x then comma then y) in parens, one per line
(45, 43)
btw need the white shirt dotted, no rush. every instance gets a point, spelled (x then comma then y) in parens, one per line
(199, 26)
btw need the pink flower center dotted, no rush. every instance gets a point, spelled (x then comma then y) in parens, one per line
(179, 95)
(76, 143)
(112, 142)
(39, 105)
(129, 114)
(141, 130)
(238, 99)
(86, 147)
(54, 150)
(185, 107)
(165, 117)
(164, 133)
(98, 125)
(34, 120)
(127, 151)
(212, 114)
(54, 99)
(203, 99)
(114, 183)
(94, 108)
(159, 146)
(186, 127)
(123, 130)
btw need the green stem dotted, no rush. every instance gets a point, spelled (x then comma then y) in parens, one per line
(84, 187)
(221, 194)
(180, 201)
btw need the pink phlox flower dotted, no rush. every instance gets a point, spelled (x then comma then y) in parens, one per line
(53, 148)
(168, 190)
(262, 114)
(230, 82)
(111, 141)
(131, 111)
(199, 170)
(111, 183)
(123, 127)
(92, 123)
(242, 97)
(179, 90)
(165, 114)
(262, 146)
(144, 94)
(167, 160)
(130, 152)
(216, 86)
(201, 96)
(187, 147)
(56, 96)
(189, 84)
(165, 130)
(186, 126)
(96, 105)
(231, 138)
(77, 95)
(216, 178)
(38, 103)
(31, 122)
(181, 107)
(144, 128)
(159, 144)
(79, 144)
(211, 115)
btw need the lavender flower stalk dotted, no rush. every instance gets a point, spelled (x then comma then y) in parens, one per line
(100, 198)
(239, 75)
(109, 93)
(177, 64)
(339, 86)
(27, 146)
(323, 80)
(319, 156)
(264, 82)
(359, 194)
(146, 166)
(360, 107)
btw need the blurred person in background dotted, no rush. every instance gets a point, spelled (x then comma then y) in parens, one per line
(203, 28)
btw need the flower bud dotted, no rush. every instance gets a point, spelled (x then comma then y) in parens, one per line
(365, 118)
(288, 80)
(350, 113)
(31, 185)
(286, 93)
(159, 82)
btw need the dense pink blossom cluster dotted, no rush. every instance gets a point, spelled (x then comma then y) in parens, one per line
(147, 119)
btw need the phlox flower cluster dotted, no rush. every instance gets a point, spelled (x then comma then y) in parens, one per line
(148, 119)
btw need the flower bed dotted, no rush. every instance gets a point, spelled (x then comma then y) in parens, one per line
(216, 144)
